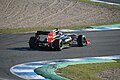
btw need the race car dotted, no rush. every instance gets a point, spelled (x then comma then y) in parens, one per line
(56, 41)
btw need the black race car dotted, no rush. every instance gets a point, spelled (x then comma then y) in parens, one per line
(56, 41)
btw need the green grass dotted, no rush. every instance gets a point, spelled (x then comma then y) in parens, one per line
(18, 30)
(101, 4)
(87, 71)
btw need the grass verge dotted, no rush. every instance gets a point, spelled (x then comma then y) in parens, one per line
(18, 30)
(87, 71)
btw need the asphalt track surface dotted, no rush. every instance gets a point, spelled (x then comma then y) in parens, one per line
(14, 50)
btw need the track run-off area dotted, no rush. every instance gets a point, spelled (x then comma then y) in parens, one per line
(46, 13)
(14, 50)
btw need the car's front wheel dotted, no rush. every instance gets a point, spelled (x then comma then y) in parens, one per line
(81, 40)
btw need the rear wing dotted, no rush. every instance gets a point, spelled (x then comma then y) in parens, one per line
(42, 33)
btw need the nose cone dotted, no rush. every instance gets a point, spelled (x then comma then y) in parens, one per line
(88, 42)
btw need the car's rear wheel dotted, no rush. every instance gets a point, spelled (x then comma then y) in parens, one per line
(57, 45)
(33, 43)
(81, 40)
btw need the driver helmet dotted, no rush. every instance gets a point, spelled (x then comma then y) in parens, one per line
(57, 31)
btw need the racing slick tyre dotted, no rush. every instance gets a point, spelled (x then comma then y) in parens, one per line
(81, 40)
(33, 43)
(57, 45)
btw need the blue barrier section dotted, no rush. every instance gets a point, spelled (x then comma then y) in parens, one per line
(95, 28)
(111, 2)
